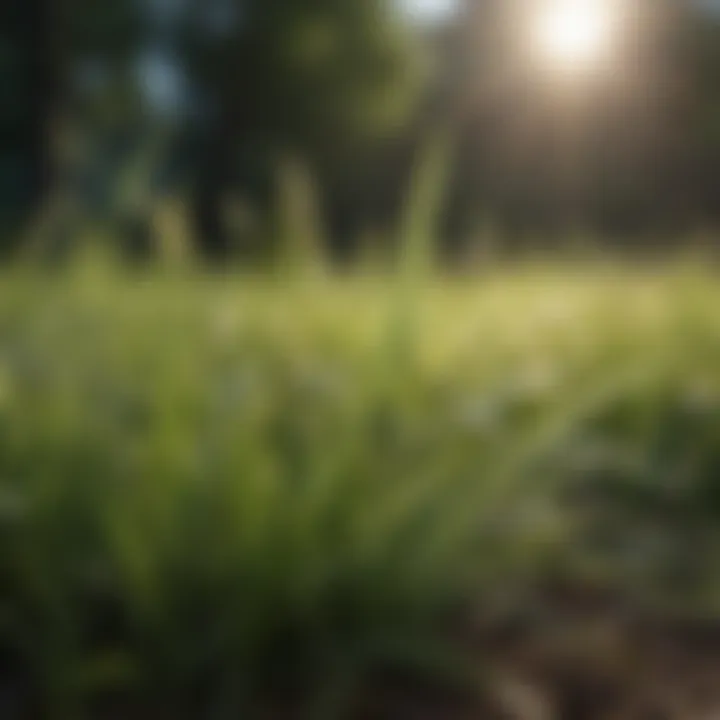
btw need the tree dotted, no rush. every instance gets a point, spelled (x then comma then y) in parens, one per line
(27, 95)
(632, 153)
(318, 80)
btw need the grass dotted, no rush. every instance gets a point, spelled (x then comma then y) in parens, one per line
(238, 494)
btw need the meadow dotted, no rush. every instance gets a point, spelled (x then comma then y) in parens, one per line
(243, 496)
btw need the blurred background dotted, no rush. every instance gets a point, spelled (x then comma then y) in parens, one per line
(461, 461)
(171, 123)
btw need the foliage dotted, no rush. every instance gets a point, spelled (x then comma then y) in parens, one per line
(322, 81)
(219, 494)
(351, 89)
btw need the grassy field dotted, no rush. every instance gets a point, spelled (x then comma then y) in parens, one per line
(240, 495)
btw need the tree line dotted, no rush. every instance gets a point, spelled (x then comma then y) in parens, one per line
(352, 91)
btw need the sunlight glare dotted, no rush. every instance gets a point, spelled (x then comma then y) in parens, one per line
(574, 34)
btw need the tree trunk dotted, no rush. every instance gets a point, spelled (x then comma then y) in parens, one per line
(29, 86)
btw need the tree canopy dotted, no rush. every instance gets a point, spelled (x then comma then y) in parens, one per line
(351, 89)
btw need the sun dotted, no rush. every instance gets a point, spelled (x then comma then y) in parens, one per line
(574, 34)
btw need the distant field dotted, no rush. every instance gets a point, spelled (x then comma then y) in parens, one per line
(237, 493)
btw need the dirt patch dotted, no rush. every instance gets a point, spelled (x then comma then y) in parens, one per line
(581, 655)
(571, 655)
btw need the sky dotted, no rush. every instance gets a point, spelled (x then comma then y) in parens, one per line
(429, 9)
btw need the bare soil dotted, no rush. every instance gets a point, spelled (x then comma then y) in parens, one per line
(577, 655)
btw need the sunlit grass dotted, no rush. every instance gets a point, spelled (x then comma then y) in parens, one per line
(220, 491)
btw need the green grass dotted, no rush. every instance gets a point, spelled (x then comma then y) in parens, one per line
(220, 493)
